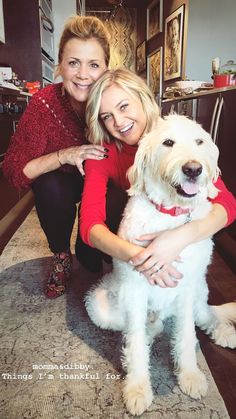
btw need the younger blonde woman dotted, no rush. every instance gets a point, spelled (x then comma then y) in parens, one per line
(120, 110)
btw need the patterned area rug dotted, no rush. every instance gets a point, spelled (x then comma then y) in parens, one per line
(56, 364)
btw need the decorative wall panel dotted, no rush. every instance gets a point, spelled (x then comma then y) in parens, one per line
(122, 30)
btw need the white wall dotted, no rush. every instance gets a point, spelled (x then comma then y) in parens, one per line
(2, 32)
(62, 10)
(211, 33)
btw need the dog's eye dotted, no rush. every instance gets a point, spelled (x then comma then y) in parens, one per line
(168, 143)
(199, 141)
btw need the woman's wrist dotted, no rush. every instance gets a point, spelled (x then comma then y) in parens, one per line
(206, 227)
(59, 158)
(187, 234)
(106, 241)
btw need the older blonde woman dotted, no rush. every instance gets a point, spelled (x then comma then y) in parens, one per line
(120, 110)
(49, 147)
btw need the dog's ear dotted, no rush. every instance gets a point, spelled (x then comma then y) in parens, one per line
(212, 190)
(136, 172)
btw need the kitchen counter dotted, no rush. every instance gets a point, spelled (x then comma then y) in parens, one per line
(7, 91)
(199, 94)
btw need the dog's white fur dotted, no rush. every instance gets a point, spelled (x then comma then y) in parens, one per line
(125, 301)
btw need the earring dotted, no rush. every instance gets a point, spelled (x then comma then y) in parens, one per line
(63, 91)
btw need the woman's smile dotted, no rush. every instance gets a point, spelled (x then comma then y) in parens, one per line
(122, 115)
(83, 62)
(82, 86)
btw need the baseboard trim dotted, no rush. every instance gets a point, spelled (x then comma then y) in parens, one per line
(14, 218)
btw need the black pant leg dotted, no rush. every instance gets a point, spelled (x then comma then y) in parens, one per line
(56, 194)
(115, 204)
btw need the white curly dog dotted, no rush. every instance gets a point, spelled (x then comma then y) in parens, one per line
(171, 179)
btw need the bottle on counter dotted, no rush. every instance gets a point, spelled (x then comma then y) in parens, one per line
(15, 80)
(215, 65)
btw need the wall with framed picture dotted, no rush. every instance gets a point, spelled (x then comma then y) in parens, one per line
(141, 58)
(154, 18)
(123, 28)
(163, 42)
(154, 73)
(174, 44)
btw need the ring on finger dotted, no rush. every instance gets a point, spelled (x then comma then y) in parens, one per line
(157, 270)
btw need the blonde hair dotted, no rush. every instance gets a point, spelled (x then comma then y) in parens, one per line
(131, 84)
(84, 28)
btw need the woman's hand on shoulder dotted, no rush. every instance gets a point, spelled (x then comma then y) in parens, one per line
(75, 156)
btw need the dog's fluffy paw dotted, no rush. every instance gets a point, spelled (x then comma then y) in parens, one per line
(193, 383)
(137, 396)
(225, 336)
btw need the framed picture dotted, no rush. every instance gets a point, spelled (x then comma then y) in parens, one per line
(154, 73)
(154, 18)
(174, 44)
(141, 61)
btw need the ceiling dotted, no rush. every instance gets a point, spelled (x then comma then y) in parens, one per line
(110, 3)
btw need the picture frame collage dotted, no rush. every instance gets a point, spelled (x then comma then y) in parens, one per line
(165, 62)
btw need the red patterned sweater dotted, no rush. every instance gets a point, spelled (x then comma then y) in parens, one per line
(48, 124)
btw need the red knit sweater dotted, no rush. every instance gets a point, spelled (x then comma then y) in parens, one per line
(98, 173)
(48, 124)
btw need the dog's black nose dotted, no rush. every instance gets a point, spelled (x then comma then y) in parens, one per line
(192, 169)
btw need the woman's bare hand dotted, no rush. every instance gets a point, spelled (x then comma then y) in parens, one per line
(164, 276)
(76, 155)
(155, 260)
(163, 248)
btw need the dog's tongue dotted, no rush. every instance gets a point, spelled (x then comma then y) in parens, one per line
(190, 188)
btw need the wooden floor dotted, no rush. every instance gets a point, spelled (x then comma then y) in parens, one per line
(222, 362)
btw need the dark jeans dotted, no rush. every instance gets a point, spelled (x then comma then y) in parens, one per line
(56, 194)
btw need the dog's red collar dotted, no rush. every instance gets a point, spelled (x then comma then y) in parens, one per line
(174, 211)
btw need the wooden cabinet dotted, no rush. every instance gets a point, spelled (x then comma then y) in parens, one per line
(14, 205)
(215, 111)
(207, 111)
(22, 50)
(226, 139)
(23, 41)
